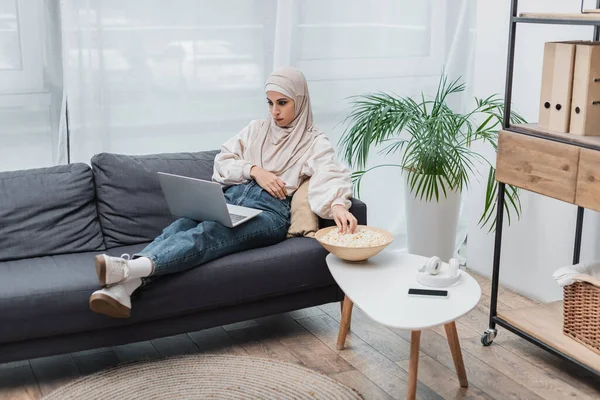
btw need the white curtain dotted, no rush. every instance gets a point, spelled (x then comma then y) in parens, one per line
(147, 76)
(30, 84)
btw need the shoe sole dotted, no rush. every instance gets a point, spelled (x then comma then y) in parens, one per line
(100, 269)
(103, 304)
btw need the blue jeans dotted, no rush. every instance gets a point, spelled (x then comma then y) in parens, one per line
(187, 243)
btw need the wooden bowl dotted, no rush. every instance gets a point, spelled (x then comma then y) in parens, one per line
(354, 253)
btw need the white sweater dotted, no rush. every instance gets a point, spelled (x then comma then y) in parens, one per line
(330, 182)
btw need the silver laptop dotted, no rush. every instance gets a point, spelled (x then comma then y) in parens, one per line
(202, 200)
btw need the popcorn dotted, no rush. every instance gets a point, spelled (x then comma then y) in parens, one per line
(362, 237)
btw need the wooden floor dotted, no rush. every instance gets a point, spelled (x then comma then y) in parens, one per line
(375, 360)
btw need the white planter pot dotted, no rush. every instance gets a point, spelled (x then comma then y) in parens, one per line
(431, 225)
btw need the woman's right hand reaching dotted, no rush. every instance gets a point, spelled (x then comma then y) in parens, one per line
(269, 181)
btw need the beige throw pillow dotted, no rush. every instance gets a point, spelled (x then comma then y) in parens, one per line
(304, 222)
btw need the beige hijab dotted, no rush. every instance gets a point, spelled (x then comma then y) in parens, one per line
(287, 144)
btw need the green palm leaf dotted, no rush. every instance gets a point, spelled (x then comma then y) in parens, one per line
(437, 154)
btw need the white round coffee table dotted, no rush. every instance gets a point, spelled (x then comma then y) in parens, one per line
(379, 286)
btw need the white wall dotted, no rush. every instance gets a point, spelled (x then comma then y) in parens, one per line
(543, 240)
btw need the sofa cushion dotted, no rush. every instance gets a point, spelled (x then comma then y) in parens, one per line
(303, 221)
(48, 211)
(131, 205)
(49, 295)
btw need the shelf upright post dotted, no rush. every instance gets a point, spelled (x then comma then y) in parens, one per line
(510, 63)
(489, 335)
(596, 27)
(580, 210)
(578, 234)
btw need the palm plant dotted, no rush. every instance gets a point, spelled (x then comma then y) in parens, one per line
(437, 155)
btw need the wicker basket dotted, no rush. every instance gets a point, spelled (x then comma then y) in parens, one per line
(582, 313)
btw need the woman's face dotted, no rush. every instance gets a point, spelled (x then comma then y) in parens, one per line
(281, 108)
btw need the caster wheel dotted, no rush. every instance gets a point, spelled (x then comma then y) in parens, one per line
(486, 340)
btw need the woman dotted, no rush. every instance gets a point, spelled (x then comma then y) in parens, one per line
(262, 167)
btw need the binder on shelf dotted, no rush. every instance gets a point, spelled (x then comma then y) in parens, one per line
(557, 81)
(585, 105)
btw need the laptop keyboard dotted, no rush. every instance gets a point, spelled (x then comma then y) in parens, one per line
(236, 218)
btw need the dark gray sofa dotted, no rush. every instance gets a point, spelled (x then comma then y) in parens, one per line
(54, 220)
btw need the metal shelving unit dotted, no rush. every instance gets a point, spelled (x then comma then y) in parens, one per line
(544, 328)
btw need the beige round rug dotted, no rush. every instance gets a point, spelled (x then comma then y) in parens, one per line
(206, 377)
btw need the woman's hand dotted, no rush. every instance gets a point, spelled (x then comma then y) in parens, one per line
(345, 221)
(269, 181)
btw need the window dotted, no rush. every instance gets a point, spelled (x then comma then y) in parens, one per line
(346, 48)
(27, 139)
(20, 47)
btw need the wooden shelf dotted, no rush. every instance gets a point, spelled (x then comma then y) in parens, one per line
(545, 323)
(591, 142)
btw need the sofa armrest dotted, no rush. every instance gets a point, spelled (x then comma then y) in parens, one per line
(358, 209)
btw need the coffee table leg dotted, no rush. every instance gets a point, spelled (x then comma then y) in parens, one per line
(342, 312)
(413, 366)
(459, 364)
(344, 323)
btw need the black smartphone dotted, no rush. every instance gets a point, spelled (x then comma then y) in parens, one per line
(428, 292)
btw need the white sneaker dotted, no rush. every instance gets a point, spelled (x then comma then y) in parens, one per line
(112, 270)
(115, 301)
